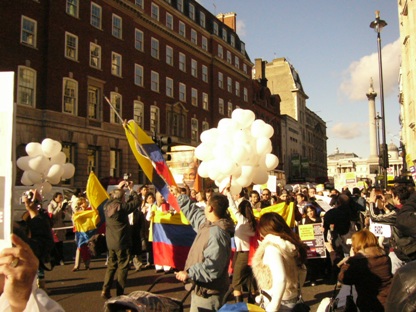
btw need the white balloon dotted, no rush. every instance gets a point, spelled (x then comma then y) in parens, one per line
(235, 188)
(34, 149)
(69, 170)
(227, 125)
(271, 161)
(38, 163)
(55, 173)
(25, 179)
(256, 128)
(236, 173)
(267, 131)
(34, 176)
(58, 159)
(209, 136)
(244, 117)
(51, 147)
(242, 137)
(263, 145)
(43, 188)
(226, 166)
(23, 163)
(203, 169)
(260, 176)
(204, 152)
(238, 154)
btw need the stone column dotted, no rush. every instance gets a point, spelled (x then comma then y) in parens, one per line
(371, 95)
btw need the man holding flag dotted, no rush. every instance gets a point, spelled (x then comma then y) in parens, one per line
(118, 236)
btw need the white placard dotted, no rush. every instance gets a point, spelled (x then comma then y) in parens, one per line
(380, 229)
(7, 166)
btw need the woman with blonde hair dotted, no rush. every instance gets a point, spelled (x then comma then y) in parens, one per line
(278, 264)
(369, 269)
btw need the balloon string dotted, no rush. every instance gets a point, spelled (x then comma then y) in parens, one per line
(222, 191)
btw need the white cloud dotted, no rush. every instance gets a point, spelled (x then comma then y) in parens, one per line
(357, 77)
(347, 131)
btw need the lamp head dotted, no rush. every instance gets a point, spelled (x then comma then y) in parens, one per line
(378, 24)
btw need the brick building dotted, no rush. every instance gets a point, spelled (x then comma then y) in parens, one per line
(171, 65)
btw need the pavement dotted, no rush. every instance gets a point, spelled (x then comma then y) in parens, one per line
(80, 291)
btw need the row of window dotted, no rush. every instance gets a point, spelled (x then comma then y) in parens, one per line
(26, 95)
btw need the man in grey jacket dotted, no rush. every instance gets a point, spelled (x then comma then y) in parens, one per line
(209, 256)
(118, 236)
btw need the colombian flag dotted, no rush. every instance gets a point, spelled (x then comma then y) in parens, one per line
(151, 160)
(172, 238)
(92, 221)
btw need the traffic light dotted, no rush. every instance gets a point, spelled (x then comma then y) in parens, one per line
(383, 159)
(164, 145)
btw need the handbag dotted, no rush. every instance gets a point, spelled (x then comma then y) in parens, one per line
(300, 305)
(333, 301)
(350, 305)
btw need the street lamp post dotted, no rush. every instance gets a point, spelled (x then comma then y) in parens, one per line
(378, 24)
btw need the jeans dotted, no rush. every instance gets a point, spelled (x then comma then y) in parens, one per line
(118, 261)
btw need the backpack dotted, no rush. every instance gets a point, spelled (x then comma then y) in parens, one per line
(404, 246)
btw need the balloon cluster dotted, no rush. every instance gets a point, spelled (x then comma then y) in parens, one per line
(45, 165)
(238, 150)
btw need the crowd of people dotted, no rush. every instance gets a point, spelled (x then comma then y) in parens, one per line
(269, 260)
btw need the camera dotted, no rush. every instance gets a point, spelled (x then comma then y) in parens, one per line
(29, 195)
(126, 176)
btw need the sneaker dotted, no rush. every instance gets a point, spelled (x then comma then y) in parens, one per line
(105, 295)
(137, 264)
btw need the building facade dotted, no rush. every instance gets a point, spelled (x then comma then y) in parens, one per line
(170, 65)
(304, 132)
(407, 27)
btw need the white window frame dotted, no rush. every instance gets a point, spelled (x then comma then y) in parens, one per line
(204, 73)
(179, 5)
(70, 96)
(139, 3)
(237, 88)
(169, 55)
(117, 101)
(138, 75)
(117, 26)
(169, 87)
(194, 97)
(182, 62)
(229, 58)
(220, 80)
(95, 102)
(224, 34)
(182, 92)
(72, 7)
(229, 85)
(229, 108)
(116, 64)
(215, 28)
(154, 119)
(154, 81)
(96, 20)
(204, 43)
(154, 11)
(245, 68)
(245, 95)
(191, 11)
(232, 39)
(194, 36)
(28, 31)
(155, 48)
(169, 21)
(220, 51)
(138, 39)
(221, 106)
(138, 113)
(237, 61)
(202, 19)
(205, 126)
(194, 68)
(71, 46)
(194, 129)
(26, 86)
(95, 53)
(182, 29)
(205, 104)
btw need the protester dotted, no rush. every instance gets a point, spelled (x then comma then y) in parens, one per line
(209, 256)
(147, 250)
(265, 195)
(18, 267)
(245, 229)
(255, 200)
(369, 270)
(118, 237)
(201, 199)
(56, 210)
(36, 225)
(278, 264)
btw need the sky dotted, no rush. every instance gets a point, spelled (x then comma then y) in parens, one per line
(334, 50)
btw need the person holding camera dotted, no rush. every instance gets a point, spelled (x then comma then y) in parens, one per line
(56, 210)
